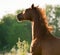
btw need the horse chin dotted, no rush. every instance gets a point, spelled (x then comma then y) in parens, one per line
(19, 20)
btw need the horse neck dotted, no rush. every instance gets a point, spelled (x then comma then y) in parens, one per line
(39, 30)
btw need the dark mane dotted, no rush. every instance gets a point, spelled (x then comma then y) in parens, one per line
(43, 18)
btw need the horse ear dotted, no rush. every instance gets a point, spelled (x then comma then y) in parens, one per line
(32, 6)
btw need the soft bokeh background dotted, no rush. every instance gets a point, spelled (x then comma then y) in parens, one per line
(10, 6)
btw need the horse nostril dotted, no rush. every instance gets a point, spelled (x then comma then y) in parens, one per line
(19, 16)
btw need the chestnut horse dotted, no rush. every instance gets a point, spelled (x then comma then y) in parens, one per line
(43, 42)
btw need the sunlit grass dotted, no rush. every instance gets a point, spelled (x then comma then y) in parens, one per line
(21, 48)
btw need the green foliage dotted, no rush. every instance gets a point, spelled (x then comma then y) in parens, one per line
(10, 30)
(22, 48)
(53, 14)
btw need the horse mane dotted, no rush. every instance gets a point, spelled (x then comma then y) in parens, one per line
(42, 13)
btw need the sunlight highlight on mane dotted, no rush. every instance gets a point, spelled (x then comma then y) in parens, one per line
(43, 14)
